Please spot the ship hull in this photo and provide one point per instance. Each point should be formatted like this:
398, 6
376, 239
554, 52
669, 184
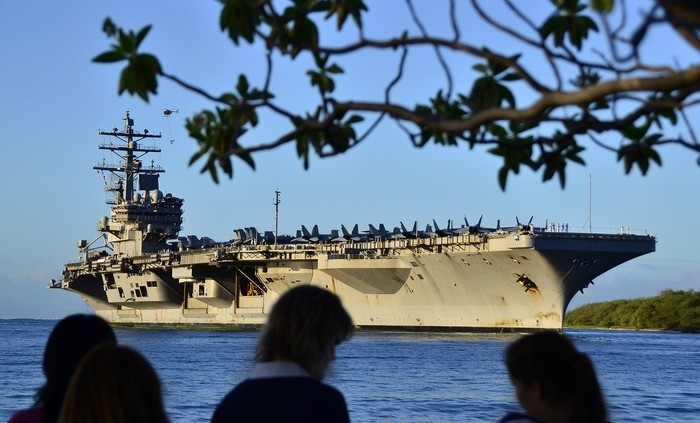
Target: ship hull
510, 281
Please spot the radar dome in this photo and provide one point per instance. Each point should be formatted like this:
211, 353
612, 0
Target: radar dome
156, 196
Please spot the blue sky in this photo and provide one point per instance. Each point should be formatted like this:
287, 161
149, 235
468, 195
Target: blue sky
53, 101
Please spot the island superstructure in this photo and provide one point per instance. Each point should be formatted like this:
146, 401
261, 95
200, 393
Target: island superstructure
469, 278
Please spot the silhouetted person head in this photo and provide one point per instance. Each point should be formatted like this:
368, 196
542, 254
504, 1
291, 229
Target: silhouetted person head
553, 381
304, 326
70, 340
114, 384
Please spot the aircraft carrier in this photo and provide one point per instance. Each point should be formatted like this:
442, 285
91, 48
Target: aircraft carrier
139, 271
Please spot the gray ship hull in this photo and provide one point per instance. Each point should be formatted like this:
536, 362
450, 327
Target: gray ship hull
520, 280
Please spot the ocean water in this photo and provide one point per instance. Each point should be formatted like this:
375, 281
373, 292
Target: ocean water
386, 376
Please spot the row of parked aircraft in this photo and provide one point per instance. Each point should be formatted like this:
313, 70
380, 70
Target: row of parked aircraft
251, 236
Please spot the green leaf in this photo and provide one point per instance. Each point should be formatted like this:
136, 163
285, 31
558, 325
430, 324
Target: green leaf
356, 11
578, 30
305, 32
654, 156
651, 139
512, 76
355, 119
335, 69
497, 68
343, 9
503, 177
141, 35
214, 173
109, 28
634, 133
480, 68
498, 131
109, 57
321, 60
229, 97
562, 175
603, 6
242, 87
554, 26
506, 95
341, 14
225, 165
217, 134
302, 146
126, 42
257, 94
196, 156
247, 158
240, 18
126, 80
576, 158
640, 153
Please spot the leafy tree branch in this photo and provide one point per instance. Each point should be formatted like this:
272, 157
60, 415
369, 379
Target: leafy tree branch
600, 87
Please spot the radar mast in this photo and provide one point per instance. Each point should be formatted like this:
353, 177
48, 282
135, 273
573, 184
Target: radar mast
142, 219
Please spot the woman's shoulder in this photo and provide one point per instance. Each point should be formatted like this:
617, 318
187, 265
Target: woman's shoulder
300, 383
29, 415
291, 388
311, 400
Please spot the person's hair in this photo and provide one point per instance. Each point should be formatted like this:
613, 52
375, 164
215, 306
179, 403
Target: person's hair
70, 340
566, 377
114, 384
304, 326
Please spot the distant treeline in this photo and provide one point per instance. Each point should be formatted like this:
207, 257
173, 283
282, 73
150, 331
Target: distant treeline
670, 310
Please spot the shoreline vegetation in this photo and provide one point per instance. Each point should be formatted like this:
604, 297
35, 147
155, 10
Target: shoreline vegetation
670, 310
